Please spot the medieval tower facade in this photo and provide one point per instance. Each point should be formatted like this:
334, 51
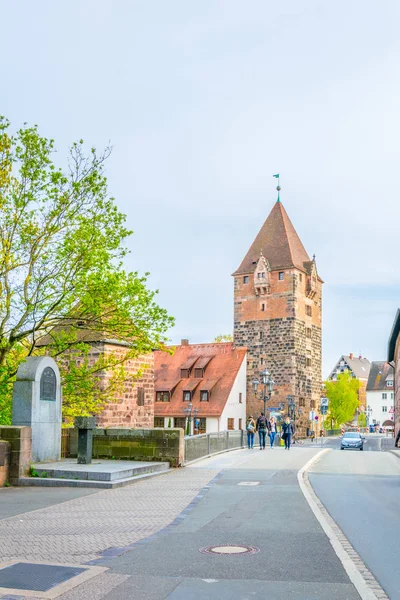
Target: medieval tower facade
278, 316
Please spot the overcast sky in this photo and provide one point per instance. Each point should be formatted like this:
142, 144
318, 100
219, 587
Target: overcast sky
203, 100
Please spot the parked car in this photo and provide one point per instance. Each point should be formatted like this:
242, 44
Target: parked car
352, 440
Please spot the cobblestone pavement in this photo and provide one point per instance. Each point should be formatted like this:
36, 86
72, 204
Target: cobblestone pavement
80, 530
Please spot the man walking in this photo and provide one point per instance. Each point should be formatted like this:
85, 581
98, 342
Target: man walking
261, 427
287, 432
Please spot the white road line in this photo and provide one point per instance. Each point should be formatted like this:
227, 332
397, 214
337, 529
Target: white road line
362, 579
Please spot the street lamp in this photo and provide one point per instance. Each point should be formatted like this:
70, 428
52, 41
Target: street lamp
268, 386
369, 413
188, 410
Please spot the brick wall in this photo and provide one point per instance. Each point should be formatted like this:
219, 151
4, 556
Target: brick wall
281, 337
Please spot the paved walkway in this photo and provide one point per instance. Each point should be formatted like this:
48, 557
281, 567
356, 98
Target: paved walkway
150, 559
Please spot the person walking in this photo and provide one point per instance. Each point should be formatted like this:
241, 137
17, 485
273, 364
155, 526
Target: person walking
272, 431
287, 432
261, 427
250, 428
396, 443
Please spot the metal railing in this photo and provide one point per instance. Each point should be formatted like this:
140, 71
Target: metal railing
199, 446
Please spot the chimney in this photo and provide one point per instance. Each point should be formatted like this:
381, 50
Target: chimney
184, 342
351, 355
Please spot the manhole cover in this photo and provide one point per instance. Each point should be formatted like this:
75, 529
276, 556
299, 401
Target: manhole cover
40, 578
229, 549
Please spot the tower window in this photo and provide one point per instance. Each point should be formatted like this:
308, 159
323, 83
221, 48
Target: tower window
140, 396
261, 335
308, 362
301, 277
308, 332
263, 306
308, 310
246, 279
281, 275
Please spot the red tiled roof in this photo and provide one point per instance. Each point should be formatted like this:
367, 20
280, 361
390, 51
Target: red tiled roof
279, 243
188, 385
202, 362
220, 374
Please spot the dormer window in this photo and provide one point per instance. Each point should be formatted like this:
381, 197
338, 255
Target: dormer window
162, 396
199, 373
389, 382
187, 396
184, 373
281, 276
204, 396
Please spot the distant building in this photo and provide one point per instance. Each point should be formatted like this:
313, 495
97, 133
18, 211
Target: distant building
359, 368
380, 394
394, 360
278, 315
209, 377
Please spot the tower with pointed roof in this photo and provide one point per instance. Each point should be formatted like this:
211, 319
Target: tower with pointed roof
278, 315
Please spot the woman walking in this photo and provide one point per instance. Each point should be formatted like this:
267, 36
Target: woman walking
250, 428
287, 432
272, 431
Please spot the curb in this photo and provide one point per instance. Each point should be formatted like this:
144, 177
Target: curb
360, 576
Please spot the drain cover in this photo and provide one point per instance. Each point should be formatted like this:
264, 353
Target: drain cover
230, 549
40, 578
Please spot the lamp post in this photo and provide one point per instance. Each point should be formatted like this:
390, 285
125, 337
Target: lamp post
188, 410
369, 413
268, 386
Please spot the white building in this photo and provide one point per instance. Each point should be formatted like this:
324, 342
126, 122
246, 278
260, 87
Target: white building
203, 382
380, 394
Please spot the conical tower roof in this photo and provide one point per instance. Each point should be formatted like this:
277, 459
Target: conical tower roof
279, 243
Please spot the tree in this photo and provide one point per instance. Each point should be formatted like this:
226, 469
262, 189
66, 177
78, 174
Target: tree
362, 420
224, 337
62, 246
343, 399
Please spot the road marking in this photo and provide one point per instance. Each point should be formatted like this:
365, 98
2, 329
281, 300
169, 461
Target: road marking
249, 483
362, 579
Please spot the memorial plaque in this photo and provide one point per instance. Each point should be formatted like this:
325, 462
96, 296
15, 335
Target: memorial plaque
48, 385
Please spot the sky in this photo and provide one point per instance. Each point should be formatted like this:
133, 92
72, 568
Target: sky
202, 102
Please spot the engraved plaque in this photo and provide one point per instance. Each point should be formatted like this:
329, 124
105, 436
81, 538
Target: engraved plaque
48, 385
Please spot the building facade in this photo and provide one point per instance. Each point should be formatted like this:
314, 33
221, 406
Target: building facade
394, 361
380, 394
278, 316
209, 380
359, 368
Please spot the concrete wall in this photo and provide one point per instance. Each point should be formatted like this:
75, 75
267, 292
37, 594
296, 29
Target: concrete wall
233, 408
136, 444
20, 440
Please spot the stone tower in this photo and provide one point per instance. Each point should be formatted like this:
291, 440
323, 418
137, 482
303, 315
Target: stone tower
278, 315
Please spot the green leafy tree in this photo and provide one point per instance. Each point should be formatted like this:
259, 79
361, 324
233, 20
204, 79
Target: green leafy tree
362, 420
343, 399
169, 423
62, 246
224, 337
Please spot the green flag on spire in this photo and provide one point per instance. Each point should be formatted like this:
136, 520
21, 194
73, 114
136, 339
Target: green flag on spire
277, 176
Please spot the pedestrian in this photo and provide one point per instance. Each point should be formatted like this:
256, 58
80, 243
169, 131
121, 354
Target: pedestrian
250, 428
287, 432
272, 431
261, 427
396, 443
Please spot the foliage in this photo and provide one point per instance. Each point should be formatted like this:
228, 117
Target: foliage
224, 337
187, 427
362, 420
62, 282
169, 422
343, 399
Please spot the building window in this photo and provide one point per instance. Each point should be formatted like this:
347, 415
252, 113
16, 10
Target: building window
187, 396
204, 396
281, 275
389, 383
312, 404
158, 421
384, 408
162, 396
261, 334
391, 396
261, 275
261, 361
308, 310
231, 424
384, 396
263, 306
302, 402
246, 279
140, 396
184, 373
300, 277
240, 398
180, 422
240, 424
198, 373
308, 362
308, 332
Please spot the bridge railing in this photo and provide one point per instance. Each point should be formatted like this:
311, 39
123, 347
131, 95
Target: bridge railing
206, 444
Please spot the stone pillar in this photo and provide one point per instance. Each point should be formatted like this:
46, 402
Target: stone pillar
37, 404
85, 426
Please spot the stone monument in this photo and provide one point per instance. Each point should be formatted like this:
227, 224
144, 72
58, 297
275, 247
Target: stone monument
37, 404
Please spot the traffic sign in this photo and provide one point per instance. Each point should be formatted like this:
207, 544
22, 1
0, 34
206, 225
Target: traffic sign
324, 401
316, 417
391, 410
312, 415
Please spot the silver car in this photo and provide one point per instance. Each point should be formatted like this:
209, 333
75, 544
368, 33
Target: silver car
352, 440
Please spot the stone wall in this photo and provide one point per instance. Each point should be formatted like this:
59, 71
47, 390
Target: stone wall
20, 440
136, 444
4, 462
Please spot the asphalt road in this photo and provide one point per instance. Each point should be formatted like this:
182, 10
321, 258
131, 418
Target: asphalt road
295, 559
361, 491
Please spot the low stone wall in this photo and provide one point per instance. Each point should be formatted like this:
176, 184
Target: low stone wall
20, 451
4, 462
135, 444
198, 446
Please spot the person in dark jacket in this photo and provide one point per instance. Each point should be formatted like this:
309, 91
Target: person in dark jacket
261, 427
287, 432
396, 443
